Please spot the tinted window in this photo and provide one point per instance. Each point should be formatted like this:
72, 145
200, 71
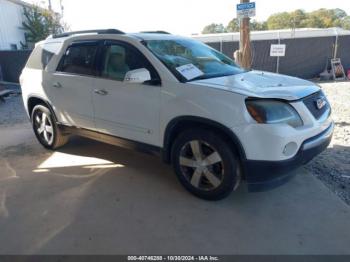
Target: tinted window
42, 55
120, 58
79, 59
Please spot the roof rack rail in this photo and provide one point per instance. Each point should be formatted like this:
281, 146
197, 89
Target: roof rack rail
99, 31
156, 32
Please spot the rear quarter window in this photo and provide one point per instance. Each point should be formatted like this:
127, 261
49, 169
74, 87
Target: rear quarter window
42, 55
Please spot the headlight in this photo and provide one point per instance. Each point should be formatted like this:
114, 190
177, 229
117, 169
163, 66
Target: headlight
267, 111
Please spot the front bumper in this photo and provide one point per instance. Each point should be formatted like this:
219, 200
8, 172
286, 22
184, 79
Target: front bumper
265, 175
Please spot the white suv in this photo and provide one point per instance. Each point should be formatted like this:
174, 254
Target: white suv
213, 121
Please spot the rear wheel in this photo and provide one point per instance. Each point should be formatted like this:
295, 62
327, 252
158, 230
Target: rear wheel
205, 165
46, 129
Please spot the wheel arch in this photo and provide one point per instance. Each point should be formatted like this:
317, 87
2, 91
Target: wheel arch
179, 124
36, 100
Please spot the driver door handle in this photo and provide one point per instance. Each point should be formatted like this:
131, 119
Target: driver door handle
101, 92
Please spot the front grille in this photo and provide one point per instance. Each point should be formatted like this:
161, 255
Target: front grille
311, 103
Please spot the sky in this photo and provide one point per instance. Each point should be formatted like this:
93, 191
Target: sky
183, 17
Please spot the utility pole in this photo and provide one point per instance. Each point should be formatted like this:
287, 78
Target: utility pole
245, 53
50, 6
62, 8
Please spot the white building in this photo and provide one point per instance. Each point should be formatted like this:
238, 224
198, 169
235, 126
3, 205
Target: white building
11, 17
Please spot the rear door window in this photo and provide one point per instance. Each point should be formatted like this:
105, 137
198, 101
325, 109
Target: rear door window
79, 59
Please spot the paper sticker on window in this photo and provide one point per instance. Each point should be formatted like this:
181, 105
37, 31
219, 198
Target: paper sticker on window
189, 71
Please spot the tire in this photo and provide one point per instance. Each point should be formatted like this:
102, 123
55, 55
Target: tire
205, 165
48, 134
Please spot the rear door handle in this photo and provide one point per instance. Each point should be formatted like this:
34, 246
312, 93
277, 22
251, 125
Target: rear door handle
57, 85
101, 92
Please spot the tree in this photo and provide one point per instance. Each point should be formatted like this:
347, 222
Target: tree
233, 25
345, 23
279, 21
214, 29
322, 18
297, 18
39, 23
258, 26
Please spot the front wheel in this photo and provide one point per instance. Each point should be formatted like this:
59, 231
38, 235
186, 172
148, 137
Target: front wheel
205, 164
46, 129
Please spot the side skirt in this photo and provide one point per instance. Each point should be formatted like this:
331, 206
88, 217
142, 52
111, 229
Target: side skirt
112, 140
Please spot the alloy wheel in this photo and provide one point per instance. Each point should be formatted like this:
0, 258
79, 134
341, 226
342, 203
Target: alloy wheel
43, 126
202, 165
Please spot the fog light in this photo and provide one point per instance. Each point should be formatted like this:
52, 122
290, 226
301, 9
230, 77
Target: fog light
290, 149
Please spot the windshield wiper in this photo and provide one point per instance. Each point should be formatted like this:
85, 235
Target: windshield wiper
198, 78
209, 76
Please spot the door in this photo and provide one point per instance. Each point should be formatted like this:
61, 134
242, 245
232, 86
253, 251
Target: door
123, 109
70, 88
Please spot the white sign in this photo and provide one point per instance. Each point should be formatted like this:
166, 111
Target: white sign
278, 50
246, 10
189, 71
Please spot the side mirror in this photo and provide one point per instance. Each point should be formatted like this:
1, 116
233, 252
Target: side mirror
137, 76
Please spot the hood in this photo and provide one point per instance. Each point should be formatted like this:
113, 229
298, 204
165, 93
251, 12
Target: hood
263, 85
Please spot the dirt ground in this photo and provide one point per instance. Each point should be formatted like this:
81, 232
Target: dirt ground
333, 166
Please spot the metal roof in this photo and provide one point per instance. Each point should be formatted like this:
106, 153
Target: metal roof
274, 34
20, 2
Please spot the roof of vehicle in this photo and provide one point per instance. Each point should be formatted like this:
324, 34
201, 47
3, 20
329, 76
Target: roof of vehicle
149, 35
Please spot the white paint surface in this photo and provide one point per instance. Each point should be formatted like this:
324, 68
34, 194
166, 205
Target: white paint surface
11, 17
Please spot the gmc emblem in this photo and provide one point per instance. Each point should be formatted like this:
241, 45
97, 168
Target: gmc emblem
320, 103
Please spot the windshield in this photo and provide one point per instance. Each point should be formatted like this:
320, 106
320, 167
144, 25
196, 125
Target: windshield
191, 60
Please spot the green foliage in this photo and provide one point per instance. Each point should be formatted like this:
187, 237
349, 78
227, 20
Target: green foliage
214, 29
345, 23
258, 26
39, 23
233, 25
279, 21
322, 18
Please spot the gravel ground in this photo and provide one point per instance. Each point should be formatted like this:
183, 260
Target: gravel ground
12, 111
332, 166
